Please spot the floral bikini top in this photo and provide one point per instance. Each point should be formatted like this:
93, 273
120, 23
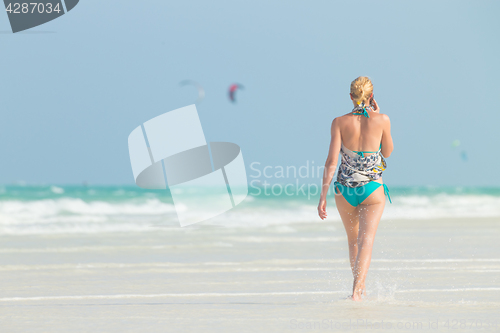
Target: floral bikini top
357, 169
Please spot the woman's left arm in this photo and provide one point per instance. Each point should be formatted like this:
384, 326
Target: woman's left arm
330, 166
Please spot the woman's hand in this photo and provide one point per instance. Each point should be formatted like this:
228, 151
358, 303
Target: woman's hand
322, 209
375, 106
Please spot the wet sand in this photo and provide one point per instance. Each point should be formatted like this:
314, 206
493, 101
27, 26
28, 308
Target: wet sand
425, 275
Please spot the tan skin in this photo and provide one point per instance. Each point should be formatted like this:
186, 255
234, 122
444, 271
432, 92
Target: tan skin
358, 133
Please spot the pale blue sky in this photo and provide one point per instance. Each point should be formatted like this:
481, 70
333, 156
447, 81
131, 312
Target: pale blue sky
70, 97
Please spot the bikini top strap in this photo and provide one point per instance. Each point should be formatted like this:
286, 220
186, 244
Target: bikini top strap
364, 113
357, 110
362, 153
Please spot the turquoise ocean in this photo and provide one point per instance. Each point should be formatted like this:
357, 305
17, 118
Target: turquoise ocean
52, 209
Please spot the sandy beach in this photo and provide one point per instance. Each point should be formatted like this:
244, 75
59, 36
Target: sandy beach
428, 274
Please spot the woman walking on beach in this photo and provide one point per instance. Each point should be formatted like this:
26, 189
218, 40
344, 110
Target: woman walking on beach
363, 138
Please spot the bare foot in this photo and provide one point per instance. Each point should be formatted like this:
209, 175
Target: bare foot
358, 293
356, 296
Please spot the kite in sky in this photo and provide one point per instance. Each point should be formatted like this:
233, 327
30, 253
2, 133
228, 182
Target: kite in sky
232, 91
463, 153
201, 91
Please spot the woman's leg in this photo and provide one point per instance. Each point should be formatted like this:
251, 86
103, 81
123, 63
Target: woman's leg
350, 219
369, 214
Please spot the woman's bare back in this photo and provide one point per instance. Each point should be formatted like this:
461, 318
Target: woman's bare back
360, 133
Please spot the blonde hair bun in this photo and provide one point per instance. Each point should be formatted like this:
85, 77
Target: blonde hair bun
361, 89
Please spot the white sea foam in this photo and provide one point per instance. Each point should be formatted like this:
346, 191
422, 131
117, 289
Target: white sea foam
443, 206
49, 208
233, 294
57, 190
75, 215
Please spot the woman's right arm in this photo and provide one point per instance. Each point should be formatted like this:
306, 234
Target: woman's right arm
330, 166
387, 144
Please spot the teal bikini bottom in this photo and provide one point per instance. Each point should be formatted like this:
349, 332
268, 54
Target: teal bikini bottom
356, 195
